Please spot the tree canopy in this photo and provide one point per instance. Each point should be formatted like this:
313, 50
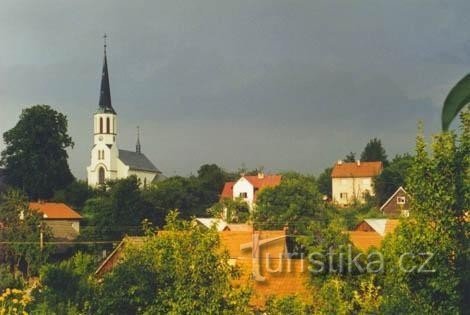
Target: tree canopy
374, 151
35, 156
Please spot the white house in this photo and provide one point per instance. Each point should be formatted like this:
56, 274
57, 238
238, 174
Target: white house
247, 187
352, 181
108, 162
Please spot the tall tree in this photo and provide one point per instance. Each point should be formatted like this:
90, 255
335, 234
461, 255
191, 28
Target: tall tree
35, 156
324, 182
433, 277
374, 151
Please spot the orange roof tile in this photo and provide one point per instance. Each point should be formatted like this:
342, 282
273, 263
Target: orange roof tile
352, 169
264, 181
365, 240
227, 192
52, 210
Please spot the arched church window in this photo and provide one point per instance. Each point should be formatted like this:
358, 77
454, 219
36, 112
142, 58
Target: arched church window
101, 124
114, 125
108, 126
101, 176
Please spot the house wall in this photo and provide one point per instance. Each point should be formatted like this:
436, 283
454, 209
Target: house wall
145, 178
354, 187
393, 209
64, 229
244, 186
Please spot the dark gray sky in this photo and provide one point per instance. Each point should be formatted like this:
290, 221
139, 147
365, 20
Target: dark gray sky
288, 85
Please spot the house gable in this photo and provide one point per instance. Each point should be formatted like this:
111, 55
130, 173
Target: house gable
397, 205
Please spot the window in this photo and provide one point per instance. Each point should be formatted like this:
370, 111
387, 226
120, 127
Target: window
243, 195
102, 155
405, 213
101, 124
108, 126
401, 200
343, 195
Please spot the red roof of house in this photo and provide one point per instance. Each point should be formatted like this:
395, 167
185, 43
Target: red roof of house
52, 210
257, 181
227, 192
355, 169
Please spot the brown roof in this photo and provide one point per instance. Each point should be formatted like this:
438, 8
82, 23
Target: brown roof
354, 169
52, 210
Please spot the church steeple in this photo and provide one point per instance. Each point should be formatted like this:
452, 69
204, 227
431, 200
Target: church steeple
105, 92
137, 146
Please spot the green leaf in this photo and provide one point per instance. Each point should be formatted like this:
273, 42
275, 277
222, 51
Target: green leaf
458, 97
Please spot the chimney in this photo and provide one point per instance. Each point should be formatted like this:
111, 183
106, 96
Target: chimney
358, 162
340, 162
260, 175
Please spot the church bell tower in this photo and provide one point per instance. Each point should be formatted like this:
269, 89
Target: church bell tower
104, 153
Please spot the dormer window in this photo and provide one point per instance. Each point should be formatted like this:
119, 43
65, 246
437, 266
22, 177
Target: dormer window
243, 195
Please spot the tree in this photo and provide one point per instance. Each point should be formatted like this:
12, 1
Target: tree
351, 157
231, 210
293, 203
35, 156
179, 271
21, 228
324, 182
392, 177
434, 277
374, 151
117, 211
75, 194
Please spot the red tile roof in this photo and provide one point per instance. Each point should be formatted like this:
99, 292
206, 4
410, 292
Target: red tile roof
352, 169
264, 181
227, 192
52, 210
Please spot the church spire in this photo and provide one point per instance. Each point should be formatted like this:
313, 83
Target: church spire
137, 146
105, 92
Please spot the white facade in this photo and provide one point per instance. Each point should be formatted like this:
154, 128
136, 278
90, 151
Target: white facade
347, 190
244, 189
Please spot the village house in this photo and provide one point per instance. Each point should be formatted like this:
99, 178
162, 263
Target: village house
63, 221
397, 205
353, 181
248, 186
261, 257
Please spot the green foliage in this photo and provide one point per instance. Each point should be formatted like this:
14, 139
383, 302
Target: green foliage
74, 195
293, 203
35, 156
324, 182
351, 157
21, 229
179, 271
439, 185
287, 305
455, 101
392, 177
334, 297
67, 285
117, 211
231, 210
8, 279
374, 151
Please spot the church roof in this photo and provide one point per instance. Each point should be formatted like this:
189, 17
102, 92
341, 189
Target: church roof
105, 105
137, 161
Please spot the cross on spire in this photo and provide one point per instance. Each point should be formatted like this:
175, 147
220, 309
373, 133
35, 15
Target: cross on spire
105, 42
105, 93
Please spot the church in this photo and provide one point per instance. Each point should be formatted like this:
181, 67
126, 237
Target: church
108, 162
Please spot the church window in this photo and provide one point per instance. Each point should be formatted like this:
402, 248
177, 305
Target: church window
101, 176
101, 124
108, 126
114, 125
